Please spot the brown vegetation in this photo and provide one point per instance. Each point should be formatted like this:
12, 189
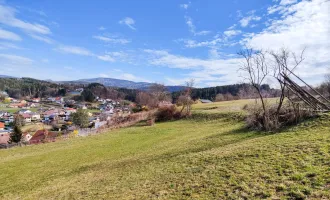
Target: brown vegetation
259, 65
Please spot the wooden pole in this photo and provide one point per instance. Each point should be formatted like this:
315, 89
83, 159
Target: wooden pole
305, 93
308, 85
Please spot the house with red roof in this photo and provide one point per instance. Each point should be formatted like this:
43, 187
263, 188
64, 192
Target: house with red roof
2, 126
42, 136
27, 117
36, 100
4, 138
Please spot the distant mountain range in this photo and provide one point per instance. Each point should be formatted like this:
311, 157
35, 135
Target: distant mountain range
112, 82
5, 76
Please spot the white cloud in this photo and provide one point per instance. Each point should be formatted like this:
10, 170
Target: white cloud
184, 6
6, 45
305, 24
14, 59
192, 27
221, 39
128, 22
74, 50
203, 33
203, 70
287, 2
117, 56
231, 33
101, 28
42, 38
7, 35
107, 58
190, 24
7, 17
103, 76
245, 21
209, 43
131, 77
45, 60
112, 40
124, 76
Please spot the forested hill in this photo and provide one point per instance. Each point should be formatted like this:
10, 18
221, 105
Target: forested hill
211, 92
21, 87
18, 87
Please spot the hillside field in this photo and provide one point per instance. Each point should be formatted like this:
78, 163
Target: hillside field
210, 156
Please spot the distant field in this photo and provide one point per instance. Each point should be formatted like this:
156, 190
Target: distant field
211, 157
13, 110
93, 110
227, 106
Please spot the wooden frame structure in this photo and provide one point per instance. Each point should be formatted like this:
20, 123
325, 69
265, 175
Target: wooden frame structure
320, 104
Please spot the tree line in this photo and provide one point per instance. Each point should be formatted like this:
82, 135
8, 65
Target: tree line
227, 92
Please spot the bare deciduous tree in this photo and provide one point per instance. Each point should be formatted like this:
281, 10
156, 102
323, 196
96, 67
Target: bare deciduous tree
247, 92
285, 62
160, 92
185, 99
256, 70
219, 97
327, 77
146, 99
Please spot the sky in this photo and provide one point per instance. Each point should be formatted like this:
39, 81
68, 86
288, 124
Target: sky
163, 41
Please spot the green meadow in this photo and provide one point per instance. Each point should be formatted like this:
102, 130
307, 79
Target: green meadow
209, 156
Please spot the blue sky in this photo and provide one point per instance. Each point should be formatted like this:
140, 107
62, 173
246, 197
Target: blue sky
165, 41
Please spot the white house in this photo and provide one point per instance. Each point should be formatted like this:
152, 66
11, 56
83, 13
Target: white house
24, 111
26, 137
27, 118
11, 119
36, 100
35, 116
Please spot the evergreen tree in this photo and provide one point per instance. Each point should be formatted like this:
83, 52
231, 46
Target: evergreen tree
80, 118
16, 135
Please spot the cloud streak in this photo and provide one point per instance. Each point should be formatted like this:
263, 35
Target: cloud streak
74, 50
7, 35
14, 59
128, 22
111, 40
192, 27
7, 17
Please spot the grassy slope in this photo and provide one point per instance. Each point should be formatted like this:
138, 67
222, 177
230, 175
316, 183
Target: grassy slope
197, 158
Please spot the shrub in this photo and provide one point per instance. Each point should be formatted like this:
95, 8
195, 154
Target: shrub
167, 113
137, 109
246, 107
270, 121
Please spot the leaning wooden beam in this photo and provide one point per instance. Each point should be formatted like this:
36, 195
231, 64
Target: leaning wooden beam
303, 99
303, 91
304, 95
308, 85
300, 95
